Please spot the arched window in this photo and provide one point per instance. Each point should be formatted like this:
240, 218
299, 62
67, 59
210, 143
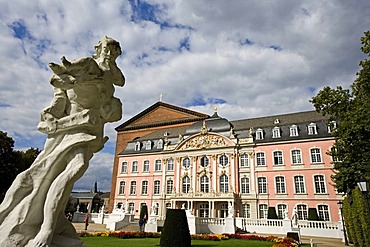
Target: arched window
204, 184
204, 210
299, 186
244, 160
169, 186
224, 183
170, 165
323, 212
157, 187
144, 187
245, 186
319, 181
148, 145
185, 184
278, 157
122, 187
280, 185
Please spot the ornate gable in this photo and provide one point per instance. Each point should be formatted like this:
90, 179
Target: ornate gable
204, 141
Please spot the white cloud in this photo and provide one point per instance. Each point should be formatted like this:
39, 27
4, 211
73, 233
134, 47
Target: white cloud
227, 58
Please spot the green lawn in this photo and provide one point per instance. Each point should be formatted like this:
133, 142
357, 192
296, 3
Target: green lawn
148, 242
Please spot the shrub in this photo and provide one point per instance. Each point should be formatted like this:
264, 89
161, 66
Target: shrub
175, 230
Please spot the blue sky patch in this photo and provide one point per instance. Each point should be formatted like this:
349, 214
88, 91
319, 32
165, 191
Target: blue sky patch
246, 42
20, 30
185, 44
276, 47
142, 10
311, 89
200, 101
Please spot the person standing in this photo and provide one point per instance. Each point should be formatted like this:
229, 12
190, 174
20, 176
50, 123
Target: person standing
86, 220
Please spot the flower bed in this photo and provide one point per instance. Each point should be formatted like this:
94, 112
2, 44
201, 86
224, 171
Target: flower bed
279, 242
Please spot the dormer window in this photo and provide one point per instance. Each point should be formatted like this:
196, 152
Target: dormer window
160, 143
332, 126
148, 145
294, 130
312, 129
276, 132
259, 134
137, 146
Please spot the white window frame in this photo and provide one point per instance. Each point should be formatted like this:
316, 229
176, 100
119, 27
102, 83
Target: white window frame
312, 129
224, 183
133, 185
278, 158
244, 160
263, 210
144, 187
223, 160
170, 164
148, 145
262, 185
296, 156
160, 144
169, 186
186, 162
319, 184
158, 165
122, 187
323, 212
124, 166
259, 134
204, 161
293, 130
204, 184
316, 157
281, 210
135, 166
276, 132
302, 211
299, 184
137, 146
244, 184
260, 161
156, 187
185, 184
280, 186
146, 166
246, 210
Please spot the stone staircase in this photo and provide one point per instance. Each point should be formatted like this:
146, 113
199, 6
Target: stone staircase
132, 227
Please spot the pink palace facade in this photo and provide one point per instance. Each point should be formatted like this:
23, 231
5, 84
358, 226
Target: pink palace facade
277, 162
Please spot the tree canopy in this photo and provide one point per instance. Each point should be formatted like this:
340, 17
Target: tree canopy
350, 108
12, 162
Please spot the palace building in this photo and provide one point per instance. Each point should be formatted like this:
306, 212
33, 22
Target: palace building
171, 157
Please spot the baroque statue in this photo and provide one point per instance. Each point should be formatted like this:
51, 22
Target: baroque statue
32, 213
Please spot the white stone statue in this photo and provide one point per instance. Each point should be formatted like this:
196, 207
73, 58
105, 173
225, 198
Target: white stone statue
295, 217
32, 213
183, 206
230, 212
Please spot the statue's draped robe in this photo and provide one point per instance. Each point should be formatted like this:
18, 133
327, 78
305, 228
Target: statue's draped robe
21, 213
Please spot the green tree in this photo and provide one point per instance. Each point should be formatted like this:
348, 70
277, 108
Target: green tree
350, 108
12, 162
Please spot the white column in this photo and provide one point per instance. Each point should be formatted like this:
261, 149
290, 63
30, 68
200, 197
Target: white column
252, 173
232, 182
178, 182
214, 173
194, 173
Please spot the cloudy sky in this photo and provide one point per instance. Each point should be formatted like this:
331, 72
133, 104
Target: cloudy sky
248, 58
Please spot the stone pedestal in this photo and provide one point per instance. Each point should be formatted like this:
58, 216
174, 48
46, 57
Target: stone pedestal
152, 224
230, 225
191, 222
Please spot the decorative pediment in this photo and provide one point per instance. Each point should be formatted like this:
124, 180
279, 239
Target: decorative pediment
203, 141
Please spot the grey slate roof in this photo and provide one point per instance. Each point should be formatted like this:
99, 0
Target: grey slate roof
241, 129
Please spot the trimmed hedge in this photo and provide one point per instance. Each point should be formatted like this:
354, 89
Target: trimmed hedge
357, 218
175, 230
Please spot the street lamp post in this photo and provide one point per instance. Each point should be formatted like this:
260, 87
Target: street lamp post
363, 185
340, 205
